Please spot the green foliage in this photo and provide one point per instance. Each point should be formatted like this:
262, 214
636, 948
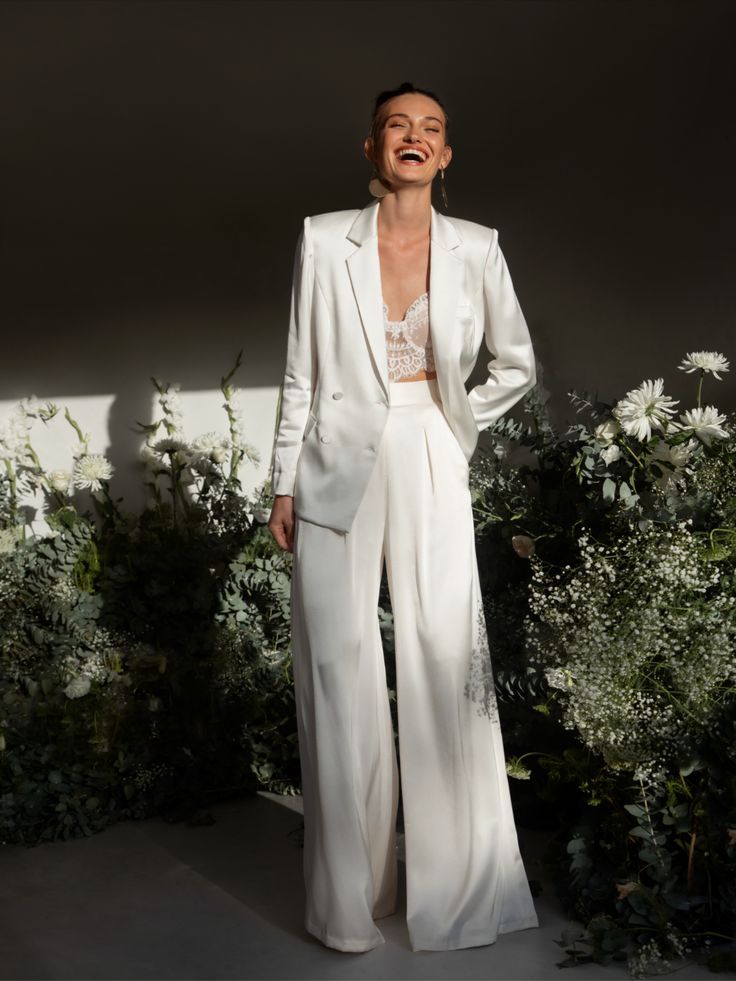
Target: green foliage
144, 658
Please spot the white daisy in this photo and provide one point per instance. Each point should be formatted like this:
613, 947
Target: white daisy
705, 423
710, 361
644, 408
90, 470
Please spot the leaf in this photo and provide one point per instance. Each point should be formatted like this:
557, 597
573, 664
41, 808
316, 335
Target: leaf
635, 809
609, 489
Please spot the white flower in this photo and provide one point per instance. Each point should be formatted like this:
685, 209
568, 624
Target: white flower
77, 687
150, 457
262, 515
90, 470
169, 444
610, 453
606, 431
705, 423
710, 361
60, 480
186, 456
213, 446
677, 456
644, 408
515, 769
8, 540
676, 459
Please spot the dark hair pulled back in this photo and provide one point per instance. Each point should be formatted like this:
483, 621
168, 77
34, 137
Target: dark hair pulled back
391, 93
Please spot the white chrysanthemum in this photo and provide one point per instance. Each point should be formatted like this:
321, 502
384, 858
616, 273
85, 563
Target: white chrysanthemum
606, 431
705, 423
213, 446
710, 361
610, 453
644, 408
90, 470
675, 458
78, 687
169, 444
60, 480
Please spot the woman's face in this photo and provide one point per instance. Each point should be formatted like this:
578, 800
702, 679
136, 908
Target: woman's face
408, 121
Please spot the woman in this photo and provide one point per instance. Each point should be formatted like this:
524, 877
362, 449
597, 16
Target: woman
389, 307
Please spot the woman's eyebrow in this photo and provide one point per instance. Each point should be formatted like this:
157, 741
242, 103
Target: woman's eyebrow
406, 116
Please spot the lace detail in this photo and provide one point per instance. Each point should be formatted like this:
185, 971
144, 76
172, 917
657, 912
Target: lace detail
408, 344
481, 686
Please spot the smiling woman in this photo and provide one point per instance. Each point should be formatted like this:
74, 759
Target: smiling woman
371, 467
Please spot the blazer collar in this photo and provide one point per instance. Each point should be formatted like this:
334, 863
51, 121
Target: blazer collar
442, 231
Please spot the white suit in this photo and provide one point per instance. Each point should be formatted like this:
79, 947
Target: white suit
379, 471
335, 393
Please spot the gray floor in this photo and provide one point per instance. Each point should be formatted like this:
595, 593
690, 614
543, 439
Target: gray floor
151, 899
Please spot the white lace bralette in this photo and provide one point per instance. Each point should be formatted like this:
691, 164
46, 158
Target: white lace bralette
408, 342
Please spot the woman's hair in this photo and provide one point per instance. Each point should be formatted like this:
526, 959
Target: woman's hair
391, 93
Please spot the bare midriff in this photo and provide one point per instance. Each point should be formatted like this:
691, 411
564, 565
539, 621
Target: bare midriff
420, 376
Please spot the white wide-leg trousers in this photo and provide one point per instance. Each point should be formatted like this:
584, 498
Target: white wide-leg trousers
465, 881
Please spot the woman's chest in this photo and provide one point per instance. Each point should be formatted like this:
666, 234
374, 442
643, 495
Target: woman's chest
404, 274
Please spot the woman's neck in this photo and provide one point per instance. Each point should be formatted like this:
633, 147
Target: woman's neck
405, 215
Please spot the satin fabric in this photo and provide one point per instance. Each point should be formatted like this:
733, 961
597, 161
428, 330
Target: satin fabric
465, 881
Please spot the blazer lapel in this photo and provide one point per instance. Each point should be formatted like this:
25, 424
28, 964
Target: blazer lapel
365, 275
445, 279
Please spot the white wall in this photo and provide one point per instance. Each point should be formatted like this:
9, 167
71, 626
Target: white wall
203, 412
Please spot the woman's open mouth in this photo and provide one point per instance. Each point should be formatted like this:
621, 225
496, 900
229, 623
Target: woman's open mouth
411, 157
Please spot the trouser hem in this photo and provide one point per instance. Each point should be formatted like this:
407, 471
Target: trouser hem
474, 939
340, 943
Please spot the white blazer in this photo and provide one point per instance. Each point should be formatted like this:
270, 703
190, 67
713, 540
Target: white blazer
335, 393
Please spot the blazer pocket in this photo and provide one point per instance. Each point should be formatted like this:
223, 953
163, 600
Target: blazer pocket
311, 423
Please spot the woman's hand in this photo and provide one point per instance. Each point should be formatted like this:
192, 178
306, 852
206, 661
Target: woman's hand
281, 521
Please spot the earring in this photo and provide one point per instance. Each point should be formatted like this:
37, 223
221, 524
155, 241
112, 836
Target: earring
442, 187
376, 186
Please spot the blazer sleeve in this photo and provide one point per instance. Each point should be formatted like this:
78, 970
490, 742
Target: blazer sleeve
296, 389
511, 372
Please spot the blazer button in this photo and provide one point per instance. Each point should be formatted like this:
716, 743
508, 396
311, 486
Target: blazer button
324, 439
337, 395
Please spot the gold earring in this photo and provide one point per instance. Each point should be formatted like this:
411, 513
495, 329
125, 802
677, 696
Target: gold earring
442, 187
376, 186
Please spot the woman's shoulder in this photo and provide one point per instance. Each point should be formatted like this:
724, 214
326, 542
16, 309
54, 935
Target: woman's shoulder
329, 221
473, 231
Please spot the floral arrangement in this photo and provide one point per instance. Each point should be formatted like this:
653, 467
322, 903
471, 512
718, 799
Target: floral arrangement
145, 662
144, 658
621, 626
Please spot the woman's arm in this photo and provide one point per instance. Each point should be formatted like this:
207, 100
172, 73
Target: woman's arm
296, 393
511, 372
